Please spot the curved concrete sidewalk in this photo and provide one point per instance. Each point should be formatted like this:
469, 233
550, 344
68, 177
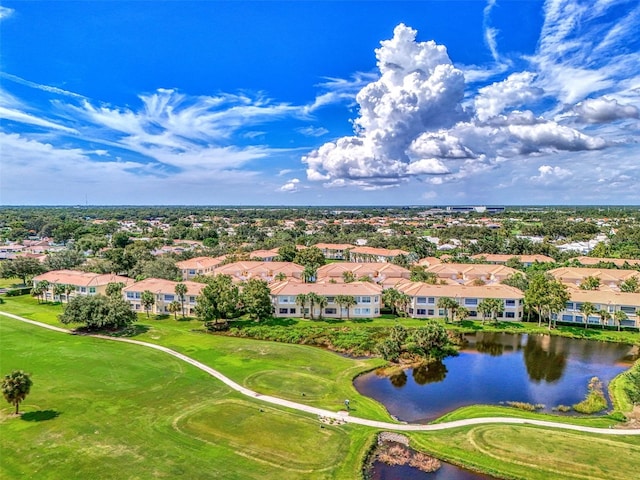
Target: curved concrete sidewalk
327, 413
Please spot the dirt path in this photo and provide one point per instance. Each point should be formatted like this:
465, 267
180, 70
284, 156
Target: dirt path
342, 415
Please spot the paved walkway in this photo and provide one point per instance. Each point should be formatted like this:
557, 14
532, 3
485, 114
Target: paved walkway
327, 413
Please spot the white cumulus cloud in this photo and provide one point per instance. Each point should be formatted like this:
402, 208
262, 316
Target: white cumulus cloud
291, 186
603, 110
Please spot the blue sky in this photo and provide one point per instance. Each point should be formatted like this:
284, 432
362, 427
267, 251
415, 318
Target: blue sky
320, 103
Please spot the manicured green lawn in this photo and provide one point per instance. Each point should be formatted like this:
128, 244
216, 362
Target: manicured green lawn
10, 282
107, 410
532, 453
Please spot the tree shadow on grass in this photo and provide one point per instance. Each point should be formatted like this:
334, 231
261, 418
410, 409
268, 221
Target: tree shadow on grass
40, 415
361, 320
130, 331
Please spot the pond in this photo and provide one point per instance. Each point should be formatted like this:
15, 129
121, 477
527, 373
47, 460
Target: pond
447, 471
495, 368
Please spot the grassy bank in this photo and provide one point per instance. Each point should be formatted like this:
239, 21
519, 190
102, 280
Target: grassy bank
107, 410
622, 387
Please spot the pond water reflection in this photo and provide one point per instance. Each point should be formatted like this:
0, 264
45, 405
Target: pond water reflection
498, 367
447, 471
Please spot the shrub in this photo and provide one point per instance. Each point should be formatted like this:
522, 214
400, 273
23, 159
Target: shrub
16, 292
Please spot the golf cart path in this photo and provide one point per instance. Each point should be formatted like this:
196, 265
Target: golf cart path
341, 415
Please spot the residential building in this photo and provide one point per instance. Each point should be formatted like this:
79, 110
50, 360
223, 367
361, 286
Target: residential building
610, 278
499, 259
386, 274
264, 255
84, 283
199, 266
267, 271
618, 262
335, 251
608, 301
424, 299
368, 298
164, 292
371, 254
466, 273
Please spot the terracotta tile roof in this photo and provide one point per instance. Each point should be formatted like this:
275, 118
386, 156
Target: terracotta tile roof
81, 279
470, 270
382, 252
495, 257
326, 289
606, 275
461, 291
373, 270
264, 253
616, 261
199, 263
604, 297
428, 261
256, 269
334, 246
161, 286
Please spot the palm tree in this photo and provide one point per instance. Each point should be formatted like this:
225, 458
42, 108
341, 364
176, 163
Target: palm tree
402, 303
44, 286
349, 301
15, 387
68, 290
348, 277
37, 290
619, 317
484, 309
390, 298
309, 274
58, 291
181, 292
313, 299
604, 316
341, 300
496, 307
280, 277
322, 303
587, 309
175, 307
461, 313
449, 305
147, 299
302, 299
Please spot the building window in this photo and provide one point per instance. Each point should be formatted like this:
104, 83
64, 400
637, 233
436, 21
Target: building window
92, 289
292, 310
331, 299
510, 314
131, 295
283, 311
421, 311
365, 299
192, 299
628, 310
330, 311
567, 318
471, 301
421, 300
431, 300
169, 298
192, 272
430, 312
509, 303
83, 289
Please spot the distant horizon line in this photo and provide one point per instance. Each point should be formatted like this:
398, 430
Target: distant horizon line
412, 206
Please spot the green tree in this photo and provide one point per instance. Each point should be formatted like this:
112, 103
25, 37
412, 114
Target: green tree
219, 300
309, 274
402, 303
604, 317
174, 307
58, 291
313, 299
68, 290
630, 285
287, 253
461, 313
256, 299
619, 316
310, 257
22, 267
98, 312
590, 283
587, 309
431, 340
322, 303
114, 289
449, 305
517, 280
15, 387
64, 260
484, 308
40, 290
556, 299
536, 293
420, 274
348, 277
302, 300
147, 299
280, 277
181, 291
390, 299
161, 267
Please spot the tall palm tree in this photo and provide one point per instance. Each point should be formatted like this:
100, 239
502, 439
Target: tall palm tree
322, 303
461, 313
341, 301
619, 317
44, 285
313, 299
349, 301
496, 307
604, 317
174, 307
484, 308
147, 299
68, 290
587, 309
302, 299
181, 292
448, 304
402, 303
390, 298
58, 291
